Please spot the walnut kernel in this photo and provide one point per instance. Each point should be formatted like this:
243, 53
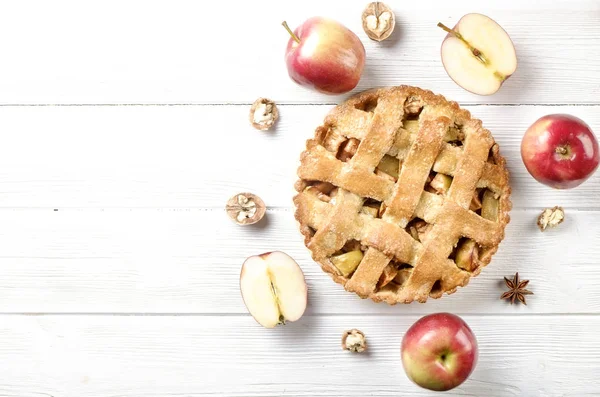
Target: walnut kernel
354, 341
263, 114
551, 217
378, 21
245, 208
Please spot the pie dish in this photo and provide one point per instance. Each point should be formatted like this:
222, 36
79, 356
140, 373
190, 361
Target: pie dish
402, 195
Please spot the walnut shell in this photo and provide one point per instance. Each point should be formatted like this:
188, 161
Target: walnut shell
245, 208
263, 114
354, 340
378, 21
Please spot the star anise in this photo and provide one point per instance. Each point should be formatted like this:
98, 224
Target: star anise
517, 290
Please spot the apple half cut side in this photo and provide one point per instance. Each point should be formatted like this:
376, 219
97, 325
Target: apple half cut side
273, 288
478, 54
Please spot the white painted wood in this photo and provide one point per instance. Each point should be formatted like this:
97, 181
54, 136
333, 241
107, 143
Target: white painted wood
188, 51
90, 356
199, 156
139, 228
189, 261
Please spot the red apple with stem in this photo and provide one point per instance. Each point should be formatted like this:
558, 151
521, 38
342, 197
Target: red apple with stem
324, 55
439, 351
560, 150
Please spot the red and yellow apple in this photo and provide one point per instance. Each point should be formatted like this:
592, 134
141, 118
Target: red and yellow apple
273, 288
560, 150
478, 54
324, 55
439, 351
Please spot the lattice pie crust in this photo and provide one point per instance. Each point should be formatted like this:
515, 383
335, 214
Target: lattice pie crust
402, 195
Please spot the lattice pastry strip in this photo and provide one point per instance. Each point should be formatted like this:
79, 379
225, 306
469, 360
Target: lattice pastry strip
415, 170
362, 202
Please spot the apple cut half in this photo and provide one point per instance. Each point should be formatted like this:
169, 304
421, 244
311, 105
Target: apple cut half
478, 54
273, 288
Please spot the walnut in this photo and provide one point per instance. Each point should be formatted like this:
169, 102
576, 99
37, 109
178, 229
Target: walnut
245, 208
378, 21
551, 217
263, 114
354, 341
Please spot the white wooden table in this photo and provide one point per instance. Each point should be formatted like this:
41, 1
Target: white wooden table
124, 131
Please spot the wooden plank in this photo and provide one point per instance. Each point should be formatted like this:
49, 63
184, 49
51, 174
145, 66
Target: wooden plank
132, 356
183, 51
189, 261
197, 157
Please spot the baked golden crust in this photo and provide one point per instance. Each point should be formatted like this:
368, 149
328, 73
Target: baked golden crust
411, 181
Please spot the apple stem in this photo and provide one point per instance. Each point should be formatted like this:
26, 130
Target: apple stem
562, 150
474, 50
447, 29
285, 25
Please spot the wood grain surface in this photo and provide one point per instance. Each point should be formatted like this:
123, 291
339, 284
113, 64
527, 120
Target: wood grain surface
125, 130
188, 51
168, 356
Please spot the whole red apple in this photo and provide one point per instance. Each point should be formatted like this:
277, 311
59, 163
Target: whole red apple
439, 351
324, 55
560, 151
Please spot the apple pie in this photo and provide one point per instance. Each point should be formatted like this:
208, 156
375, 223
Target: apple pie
402, 195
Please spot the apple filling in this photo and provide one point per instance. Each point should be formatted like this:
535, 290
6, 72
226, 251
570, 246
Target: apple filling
413, 106
475, 205
324, 191
455, 135
438, 183
348, 259
466, 254
394, 275
469, 255
372, 207
347, 149
412, 126
490, 206
382, 209
418, 229
485, 203
388, 167
348, 262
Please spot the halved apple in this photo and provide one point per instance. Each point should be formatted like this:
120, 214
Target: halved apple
273, 288
478, 54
